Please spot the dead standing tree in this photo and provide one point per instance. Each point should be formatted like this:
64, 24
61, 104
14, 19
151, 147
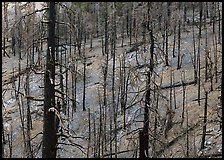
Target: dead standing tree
199, 45
49, 127
144, 135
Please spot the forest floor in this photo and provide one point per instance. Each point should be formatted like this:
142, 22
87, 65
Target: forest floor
172, 146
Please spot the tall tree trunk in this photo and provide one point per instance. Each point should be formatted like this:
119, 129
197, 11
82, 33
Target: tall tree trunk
145, 135
28, 114
174, 39
171, 83
204, 122
3, 139
6, 26
123, 89
166, 33
219, 32
194, 49
49, 148
183, 102
166, 46
113, 51
213, 17
29, 120
22, 117
67, 75
154, 155
105, 70
122, 32
94, 137
187, 134
84, 78
130, 22
198, 56
179, 38
215, 43
89, 137
174, 93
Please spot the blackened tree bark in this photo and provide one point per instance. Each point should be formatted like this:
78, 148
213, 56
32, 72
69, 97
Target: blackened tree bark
145, 135
179, 38
123, 89
122, 31
185, 14
105, 68
166, 32
127, 21
79, 38
130, 22
84, 80
174, 93
113, 52
215, 57
222, 95
142, 144
187, 134
213, 16
205, 121
49, 127
5, 26
100, 126
219, 32
171, 83
194, 48
73, 86
199, 46
29, 120
89, 137
174, 39
206, 54
184, 94
3, 139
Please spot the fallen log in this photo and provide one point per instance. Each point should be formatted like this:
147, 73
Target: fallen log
178, 85
176, 139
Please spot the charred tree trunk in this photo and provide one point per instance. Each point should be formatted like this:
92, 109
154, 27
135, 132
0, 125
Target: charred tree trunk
130, 23
215, 57
204, 122
89, 138
122, 32
166, 33
123, 88
194, 49
113, 51
94, 137
179, 38
174, 39
198, 56
29, 120
184, 92
145, 135
6, 27
142, 144
174, 93
84, 80
206, 54
187, 134
49, 148
105, 71
219, 32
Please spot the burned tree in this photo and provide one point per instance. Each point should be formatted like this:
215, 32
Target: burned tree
49, 127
